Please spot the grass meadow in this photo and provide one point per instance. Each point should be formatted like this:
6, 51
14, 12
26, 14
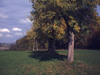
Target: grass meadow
87, 62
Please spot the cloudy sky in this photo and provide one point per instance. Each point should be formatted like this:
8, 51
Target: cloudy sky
13, 19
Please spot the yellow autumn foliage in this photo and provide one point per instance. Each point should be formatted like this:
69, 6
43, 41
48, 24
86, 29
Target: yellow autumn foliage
31, 34
60, 29
73, 23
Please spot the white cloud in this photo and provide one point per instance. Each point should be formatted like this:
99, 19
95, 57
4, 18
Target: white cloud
4, 30
17, 34
1, 35
25, 21
3, 15
16, 29
9, 36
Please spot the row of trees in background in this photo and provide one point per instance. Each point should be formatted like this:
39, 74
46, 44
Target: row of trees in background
86, 41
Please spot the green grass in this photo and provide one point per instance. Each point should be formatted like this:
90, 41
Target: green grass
87, 62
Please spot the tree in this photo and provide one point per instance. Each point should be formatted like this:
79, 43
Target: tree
98, 2
22, 44
57, 18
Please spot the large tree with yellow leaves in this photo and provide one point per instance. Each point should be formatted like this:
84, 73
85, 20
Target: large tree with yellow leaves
54, 19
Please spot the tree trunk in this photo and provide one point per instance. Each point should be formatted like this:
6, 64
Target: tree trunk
71, 47
35, 45
51, 45
43, 46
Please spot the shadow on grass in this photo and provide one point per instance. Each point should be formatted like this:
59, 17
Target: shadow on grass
46, 55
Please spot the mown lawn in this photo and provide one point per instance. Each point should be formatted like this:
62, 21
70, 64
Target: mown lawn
87, 62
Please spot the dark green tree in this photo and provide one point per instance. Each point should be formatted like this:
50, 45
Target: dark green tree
54, 19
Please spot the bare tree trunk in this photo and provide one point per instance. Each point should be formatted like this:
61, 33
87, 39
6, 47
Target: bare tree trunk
33, 44
71, 47
51, 45
36, 44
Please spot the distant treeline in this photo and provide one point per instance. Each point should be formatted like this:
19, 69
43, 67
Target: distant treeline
5, 45
90, 41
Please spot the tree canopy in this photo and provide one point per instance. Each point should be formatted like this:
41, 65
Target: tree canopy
57, 19
54, 17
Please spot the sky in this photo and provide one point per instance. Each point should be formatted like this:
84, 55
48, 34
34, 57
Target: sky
13, 19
